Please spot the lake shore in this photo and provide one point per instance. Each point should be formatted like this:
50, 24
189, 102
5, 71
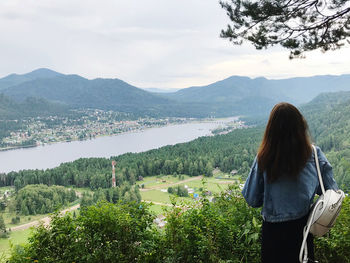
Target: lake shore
208, 120
104, 146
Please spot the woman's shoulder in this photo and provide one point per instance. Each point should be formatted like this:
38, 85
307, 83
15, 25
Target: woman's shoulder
320, 155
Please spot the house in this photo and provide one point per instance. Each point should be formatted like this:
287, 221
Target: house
233, 172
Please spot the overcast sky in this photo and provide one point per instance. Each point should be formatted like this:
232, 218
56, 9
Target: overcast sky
147, 43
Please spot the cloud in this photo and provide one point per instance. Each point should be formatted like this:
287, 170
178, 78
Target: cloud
149, 43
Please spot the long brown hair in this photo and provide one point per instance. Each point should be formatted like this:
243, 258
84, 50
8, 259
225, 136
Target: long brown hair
286, 145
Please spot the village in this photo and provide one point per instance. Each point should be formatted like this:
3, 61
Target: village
89, 124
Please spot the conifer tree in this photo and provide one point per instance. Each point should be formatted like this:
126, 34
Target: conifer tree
296, 25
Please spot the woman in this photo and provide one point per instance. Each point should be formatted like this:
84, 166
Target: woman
283, 180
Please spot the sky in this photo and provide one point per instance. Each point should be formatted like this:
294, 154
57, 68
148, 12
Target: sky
148, 43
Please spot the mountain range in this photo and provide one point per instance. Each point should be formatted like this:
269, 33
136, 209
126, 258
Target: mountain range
235, 95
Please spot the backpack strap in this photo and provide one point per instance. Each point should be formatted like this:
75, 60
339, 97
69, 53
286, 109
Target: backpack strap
318, 169
303, 255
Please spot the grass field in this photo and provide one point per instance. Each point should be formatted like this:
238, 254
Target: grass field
159, 196
158, 181
211, 184
158, 209
16, 238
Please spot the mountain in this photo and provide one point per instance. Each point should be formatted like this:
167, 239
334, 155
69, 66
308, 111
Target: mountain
156, 90
15, 79
80, 92
231, 89
235, 95
106, 94
235, 88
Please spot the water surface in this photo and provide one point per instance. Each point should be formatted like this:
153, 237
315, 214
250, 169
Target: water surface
49, 156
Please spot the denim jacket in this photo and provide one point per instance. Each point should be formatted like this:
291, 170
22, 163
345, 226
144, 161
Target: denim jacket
287, 199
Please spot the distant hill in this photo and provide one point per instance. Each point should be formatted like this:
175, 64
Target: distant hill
30, 107
235, 95
235, 88
15, 79
106, 94
232, 89
156, 90
322, 104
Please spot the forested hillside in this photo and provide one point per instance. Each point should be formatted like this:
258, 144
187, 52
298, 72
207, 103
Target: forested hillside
12, 112
29, 107
328, 116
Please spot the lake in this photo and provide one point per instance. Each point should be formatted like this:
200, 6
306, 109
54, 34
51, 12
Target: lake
52, 155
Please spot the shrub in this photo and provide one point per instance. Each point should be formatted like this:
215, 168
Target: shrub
170, 190
224, 231
336, 246
15, 220
101, 233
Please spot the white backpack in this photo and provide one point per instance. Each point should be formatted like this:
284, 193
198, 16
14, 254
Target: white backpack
323, 213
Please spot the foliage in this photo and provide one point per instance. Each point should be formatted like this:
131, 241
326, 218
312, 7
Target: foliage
170, 190
3, 230
42, 199
336, 246
102, 233
296, 25
15, 220
226, 230
124, 193
329, 119
179, 190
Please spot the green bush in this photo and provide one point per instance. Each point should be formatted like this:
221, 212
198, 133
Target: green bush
223, 231
170, 190
15, 220
226, 230
179, 190
101, 233
335, 247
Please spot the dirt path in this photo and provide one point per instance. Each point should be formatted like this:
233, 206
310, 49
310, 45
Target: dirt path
163, 186
45, 220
